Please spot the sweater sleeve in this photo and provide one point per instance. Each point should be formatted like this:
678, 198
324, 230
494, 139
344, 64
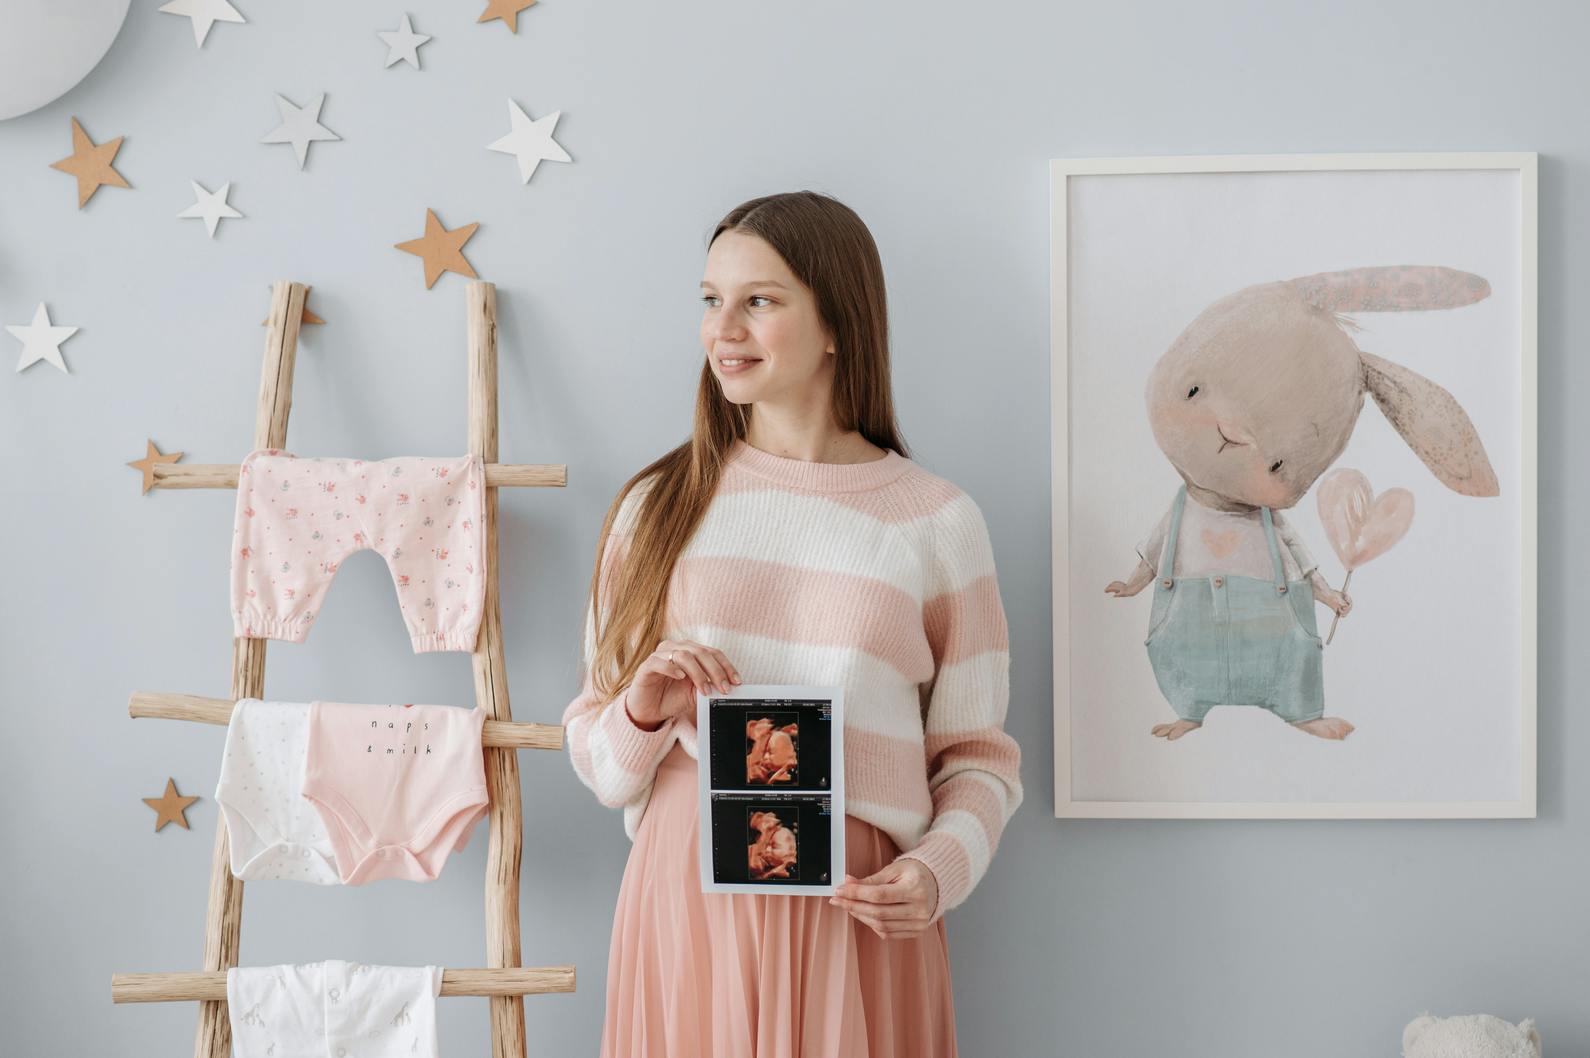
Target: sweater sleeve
612, 755
974, 767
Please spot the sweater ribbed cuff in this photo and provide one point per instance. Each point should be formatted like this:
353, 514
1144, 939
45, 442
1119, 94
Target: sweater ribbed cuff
634, 748
952, 869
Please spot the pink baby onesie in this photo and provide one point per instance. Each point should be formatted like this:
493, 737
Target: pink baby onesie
399, 786
299, 518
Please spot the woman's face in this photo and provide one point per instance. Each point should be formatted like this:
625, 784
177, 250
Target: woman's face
756, 310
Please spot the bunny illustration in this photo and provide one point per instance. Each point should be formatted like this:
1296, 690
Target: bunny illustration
1251, 404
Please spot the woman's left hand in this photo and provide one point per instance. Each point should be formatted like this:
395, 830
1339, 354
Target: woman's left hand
896, 902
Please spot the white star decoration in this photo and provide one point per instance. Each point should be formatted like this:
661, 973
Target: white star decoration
204, 13
210, 206
530, 141
300, 126
403, 43
41, 340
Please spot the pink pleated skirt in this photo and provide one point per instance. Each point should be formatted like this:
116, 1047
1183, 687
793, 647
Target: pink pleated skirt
731, 975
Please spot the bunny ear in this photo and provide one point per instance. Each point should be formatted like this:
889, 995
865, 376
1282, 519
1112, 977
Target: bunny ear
1398, 288
1433, 423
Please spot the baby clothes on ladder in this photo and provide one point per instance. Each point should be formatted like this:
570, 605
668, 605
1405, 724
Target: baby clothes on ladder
272, 831
333, 1009
398, 786
299, 518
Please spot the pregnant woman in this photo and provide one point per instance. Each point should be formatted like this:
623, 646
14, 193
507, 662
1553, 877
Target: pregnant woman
791, 540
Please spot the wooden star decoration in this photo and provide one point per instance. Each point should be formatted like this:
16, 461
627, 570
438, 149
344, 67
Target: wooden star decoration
308, 317
91, 164
442, 250
147, 463
507, 10
170, 806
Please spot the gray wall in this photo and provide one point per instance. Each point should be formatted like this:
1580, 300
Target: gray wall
935, 121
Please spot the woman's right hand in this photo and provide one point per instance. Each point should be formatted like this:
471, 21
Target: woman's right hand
669, 679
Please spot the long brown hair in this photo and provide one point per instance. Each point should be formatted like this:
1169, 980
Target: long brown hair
828, 248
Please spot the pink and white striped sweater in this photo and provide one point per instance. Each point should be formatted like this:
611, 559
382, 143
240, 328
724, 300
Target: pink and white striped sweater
878, 577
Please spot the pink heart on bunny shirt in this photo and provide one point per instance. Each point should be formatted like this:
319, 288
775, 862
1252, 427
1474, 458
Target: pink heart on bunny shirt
1221, 545
1360, 525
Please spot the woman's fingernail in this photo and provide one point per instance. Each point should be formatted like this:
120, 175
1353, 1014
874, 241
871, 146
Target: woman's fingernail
736, 678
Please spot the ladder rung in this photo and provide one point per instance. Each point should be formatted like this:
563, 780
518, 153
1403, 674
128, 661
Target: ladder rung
509, 734
224, 475
211, 984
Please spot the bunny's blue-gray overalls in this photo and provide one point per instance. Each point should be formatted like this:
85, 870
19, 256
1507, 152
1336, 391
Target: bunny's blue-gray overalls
1220, 639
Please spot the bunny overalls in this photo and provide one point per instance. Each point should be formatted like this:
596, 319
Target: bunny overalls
1225, 640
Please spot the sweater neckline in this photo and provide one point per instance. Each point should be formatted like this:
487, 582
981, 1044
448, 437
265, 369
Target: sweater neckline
818, 477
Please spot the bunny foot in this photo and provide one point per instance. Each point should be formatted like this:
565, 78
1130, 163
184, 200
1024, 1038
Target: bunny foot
1176, 730
1326, 727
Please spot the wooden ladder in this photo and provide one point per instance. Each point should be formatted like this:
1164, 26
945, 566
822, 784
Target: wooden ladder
503, 979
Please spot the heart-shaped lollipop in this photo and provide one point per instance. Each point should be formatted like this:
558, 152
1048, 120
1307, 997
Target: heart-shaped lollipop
1360, 525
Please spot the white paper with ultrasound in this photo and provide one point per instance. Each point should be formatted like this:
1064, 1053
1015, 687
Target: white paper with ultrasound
771, 762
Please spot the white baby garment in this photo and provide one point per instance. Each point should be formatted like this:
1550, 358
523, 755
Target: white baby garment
273, 832
333, 1009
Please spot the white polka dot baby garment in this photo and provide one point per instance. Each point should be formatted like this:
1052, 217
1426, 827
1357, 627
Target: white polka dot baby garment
333, 1009
272, 831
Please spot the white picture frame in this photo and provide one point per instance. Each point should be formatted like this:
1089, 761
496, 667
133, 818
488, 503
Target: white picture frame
1093, 778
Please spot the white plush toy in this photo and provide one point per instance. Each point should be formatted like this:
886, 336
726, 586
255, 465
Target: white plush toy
1469, 1036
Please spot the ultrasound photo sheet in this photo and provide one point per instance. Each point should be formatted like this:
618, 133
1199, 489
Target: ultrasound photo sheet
772, 789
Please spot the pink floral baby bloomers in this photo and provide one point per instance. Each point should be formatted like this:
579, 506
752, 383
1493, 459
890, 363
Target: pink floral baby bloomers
298, 518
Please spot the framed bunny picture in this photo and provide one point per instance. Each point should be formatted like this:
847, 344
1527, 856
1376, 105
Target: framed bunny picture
1294, 471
